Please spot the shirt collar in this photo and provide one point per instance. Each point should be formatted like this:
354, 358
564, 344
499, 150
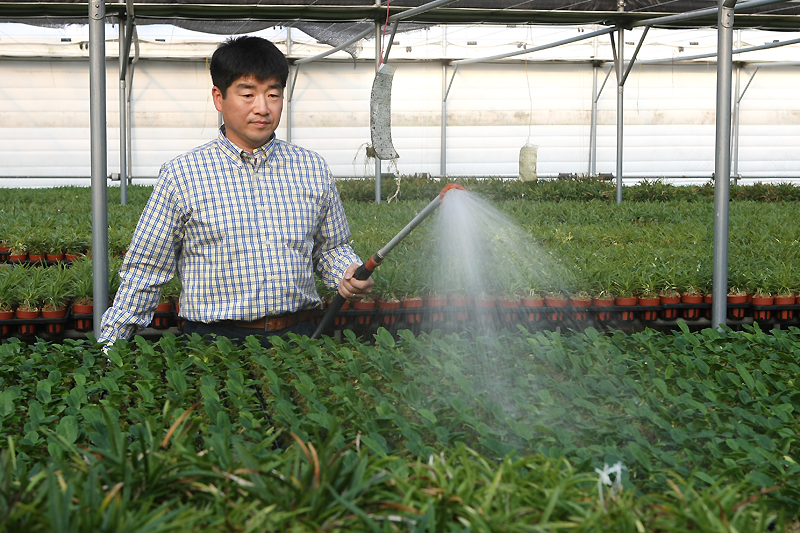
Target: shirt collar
239, 154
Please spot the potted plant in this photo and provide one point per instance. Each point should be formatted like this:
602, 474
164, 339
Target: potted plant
170, 293
556, 300
35, 245
8, 296
410, 297
578, 300
648, 297
625, 284
691, 295
30, 300
736, 296
785, 283
56, 296
83, 294
602, 298
365, 308
385, 296
54, 247
532, 302
74, 245
17, 252
762, 297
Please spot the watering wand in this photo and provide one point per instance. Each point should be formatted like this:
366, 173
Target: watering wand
365, 270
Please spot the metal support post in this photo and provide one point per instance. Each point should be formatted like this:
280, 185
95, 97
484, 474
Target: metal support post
620, 103
736, 104
99, 164
378, 58
593, 125
125, 32
134, 40
722, 162
289, 95
735, 127
443, 142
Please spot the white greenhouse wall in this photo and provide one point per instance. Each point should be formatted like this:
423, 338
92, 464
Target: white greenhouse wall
493, 109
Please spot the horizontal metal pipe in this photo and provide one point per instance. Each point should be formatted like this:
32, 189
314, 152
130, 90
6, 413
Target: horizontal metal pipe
419, 10
536, 48
680, 17
714, 54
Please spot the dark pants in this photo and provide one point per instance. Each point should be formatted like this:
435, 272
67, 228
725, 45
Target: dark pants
239, 334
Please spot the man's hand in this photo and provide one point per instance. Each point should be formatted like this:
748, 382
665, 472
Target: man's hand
353, 289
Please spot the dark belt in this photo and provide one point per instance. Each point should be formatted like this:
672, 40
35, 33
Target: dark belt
275, 323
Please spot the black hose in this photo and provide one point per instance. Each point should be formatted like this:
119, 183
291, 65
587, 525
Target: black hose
361, 273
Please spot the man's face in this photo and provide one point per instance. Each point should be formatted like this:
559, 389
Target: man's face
251, 110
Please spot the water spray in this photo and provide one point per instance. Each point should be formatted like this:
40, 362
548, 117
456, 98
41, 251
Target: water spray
365, 270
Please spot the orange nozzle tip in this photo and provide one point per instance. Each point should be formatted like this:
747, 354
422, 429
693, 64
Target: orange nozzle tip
448, 187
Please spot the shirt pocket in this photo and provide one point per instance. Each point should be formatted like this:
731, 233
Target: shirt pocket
295, 215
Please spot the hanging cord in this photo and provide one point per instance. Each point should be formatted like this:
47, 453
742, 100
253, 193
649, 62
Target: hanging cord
383, 37
393, 163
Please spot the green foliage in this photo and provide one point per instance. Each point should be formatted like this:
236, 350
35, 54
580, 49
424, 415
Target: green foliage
441, 432
556, 190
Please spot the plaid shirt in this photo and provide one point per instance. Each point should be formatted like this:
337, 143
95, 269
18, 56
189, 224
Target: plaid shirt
244, 232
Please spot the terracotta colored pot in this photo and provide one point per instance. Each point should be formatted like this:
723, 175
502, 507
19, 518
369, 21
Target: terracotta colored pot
83, 324
555, 302
530, 304
602, 302
485, 310
412, 303
162, 322
507, 313
463, 303
669, 313
762, 300
55, 257
37, 257
435, 302
626, 301
577, 303
737, 299
5, 315
58, 313
388, 318
340, 320
785, 314
71, 257
691, 313
178, 318
708, 299
27, 329
18, 257
649, 302
366, 308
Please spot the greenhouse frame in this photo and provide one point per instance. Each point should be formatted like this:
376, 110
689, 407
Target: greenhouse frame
342, 25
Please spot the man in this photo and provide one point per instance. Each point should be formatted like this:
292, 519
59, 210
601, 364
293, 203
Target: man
244, 220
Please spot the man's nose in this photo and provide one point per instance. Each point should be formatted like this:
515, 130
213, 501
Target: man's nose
260, 106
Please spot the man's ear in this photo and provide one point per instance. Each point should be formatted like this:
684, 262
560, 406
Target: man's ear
216, 95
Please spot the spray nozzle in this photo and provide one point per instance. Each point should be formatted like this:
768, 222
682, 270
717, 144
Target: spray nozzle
448, 187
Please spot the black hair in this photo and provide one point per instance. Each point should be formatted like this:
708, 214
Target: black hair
247, 56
